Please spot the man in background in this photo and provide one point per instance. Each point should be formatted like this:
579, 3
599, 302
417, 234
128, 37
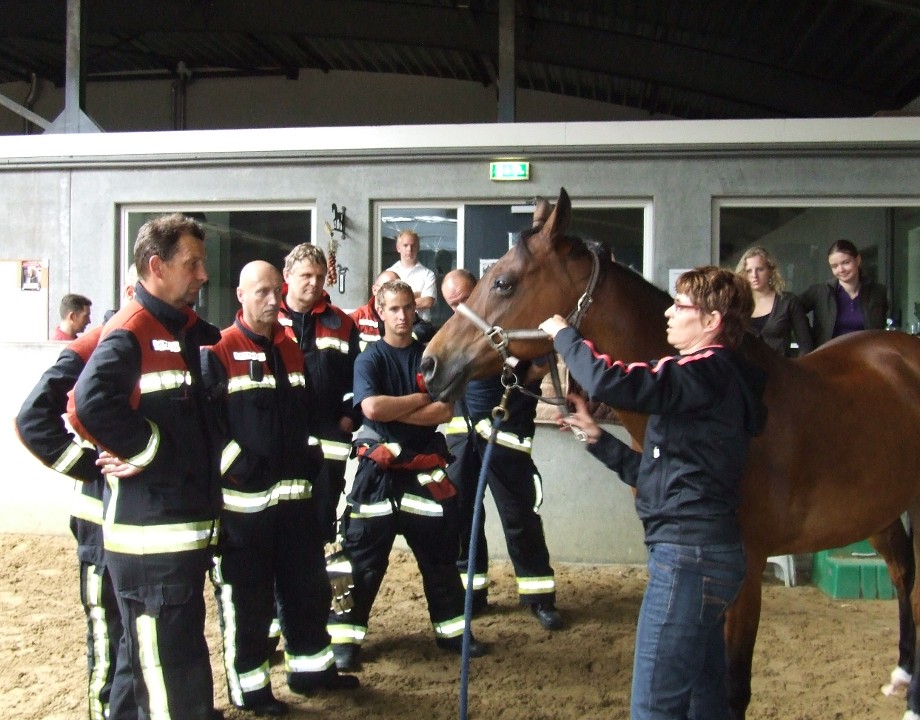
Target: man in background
513, 480
75, 317
420, 279
41, 429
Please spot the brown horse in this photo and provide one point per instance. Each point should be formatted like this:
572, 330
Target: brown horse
839, 459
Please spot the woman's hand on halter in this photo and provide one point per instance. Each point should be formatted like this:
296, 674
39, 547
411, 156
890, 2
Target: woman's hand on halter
579, 418
553, 325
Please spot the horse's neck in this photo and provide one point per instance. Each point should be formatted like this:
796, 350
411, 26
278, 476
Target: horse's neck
627, 317
626, 321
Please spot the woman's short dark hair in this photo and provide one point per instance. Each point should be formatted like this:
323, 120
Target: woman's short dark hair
847, 248
716, 289
843, 245
160, 236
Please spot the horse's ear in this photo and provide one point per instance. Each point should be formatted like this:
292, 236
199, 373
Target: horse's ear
558, 221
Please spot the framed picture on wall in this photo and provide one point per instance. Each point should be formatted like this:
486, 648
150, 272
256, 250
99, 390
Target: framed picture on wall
485, 264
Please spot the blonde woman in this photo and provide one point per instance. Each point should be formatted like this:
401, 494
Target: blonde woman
777, 314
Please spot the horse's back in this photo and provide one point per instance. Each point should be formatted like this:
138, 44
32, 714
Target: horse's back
838, 454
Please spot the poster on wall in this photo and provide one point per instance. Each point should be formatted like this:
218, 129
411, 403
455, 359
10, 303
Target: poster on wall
31, 275
485, 264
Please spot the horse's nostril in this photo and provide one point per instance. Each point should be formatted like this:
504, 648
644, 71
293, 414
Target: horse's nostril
428, 367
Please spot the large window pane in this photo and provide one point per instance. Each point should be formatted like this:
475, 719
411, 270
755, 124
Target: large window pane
887, 236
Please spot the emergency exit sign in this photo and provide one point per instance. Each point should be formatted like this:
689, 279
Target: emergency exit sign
509, 170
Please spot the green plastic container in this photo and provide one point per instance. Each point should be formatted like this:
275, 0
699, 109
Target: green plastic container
852, 572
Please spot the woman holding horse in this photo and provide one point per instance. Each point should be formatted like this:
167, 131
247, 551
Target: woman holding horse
704, 406
778, 314
849, 303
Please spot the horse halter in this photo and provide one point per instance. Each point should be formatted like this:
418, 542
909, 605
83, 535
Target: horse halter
499, 338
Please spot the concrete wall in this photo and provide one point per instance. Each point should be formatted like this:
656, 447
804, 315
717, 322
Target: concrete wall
61, 199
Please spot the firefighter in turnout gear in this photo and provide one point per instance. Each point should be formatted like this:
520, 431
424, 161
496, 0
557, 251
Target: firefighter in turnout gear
41, 428
400, 485
140, 398
513, 480
329, 341
271, 545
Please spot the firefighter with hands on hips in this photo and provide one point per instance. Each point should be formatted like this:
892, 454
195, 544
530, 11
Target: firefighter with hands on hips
513, 480
400, 485
271, 545
41, 428
140, 398
329, 341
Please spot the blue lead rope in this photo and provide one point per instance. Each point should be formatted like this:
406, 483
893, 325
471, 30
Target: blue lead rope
471, 568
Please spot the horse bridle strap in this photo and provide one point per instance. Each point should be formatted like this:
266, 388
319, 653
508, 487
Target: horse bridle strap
499, 338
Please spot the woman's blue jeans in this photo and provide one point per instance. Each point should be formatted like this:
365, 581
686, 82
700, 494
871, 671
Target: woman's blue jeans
679, 665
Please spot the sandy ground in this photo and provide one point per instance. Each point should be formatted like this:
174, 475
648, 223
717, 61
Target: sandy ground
816, 657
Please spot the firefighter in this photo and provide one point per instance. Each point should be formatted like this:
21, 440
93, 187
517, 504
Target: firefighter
140, 398
268, 510
41, 429
400, 485
513, 480
329, 341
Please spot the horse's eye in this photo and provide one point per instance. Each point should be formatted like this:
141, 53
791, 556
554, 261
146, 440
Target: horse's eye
503, 285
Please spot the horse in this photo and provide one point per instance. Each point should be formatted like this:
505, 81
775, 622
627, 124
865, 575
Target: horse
836, 463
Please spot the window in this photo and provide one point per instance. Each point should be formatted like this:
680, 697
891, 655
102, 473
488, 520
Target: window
234, 236
798, 233
474, 235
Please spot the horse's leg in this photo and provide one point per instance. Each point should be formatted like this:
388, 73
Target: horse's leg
913, 690
895, 546
741, 622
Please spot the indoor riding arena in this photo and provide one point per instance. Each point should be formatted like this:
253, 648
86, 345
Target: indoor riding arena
683, 136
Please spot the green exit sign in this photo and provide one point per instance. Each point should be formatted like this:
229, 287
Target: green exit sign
509, 170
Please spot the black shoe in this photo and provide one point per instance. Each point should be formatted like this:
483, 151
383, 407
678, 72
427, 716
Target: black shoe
547, 615
217, 714
455, 645
346, 656
269, 708
308, 683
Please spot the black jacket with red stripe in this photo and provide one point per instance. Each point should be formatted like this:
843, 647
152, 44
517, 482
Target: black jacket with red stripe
703, 409
268, 409
41, 429
329, 340
141, 397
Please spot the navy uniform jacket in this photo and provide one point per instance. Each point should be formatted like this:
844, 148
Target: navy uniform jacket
42, 430
267, 412
704, 408
141, 397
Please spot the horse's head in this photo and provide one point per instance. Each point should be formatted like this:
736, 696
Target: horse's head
543, 274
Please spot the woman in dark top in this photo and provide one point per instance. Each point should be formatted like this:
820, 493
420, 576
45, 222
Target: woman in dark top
704, 406
777, 313
850, 302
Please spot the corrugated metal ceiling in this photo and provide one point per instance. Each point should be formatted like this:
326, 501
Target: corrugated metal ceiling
683, 58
